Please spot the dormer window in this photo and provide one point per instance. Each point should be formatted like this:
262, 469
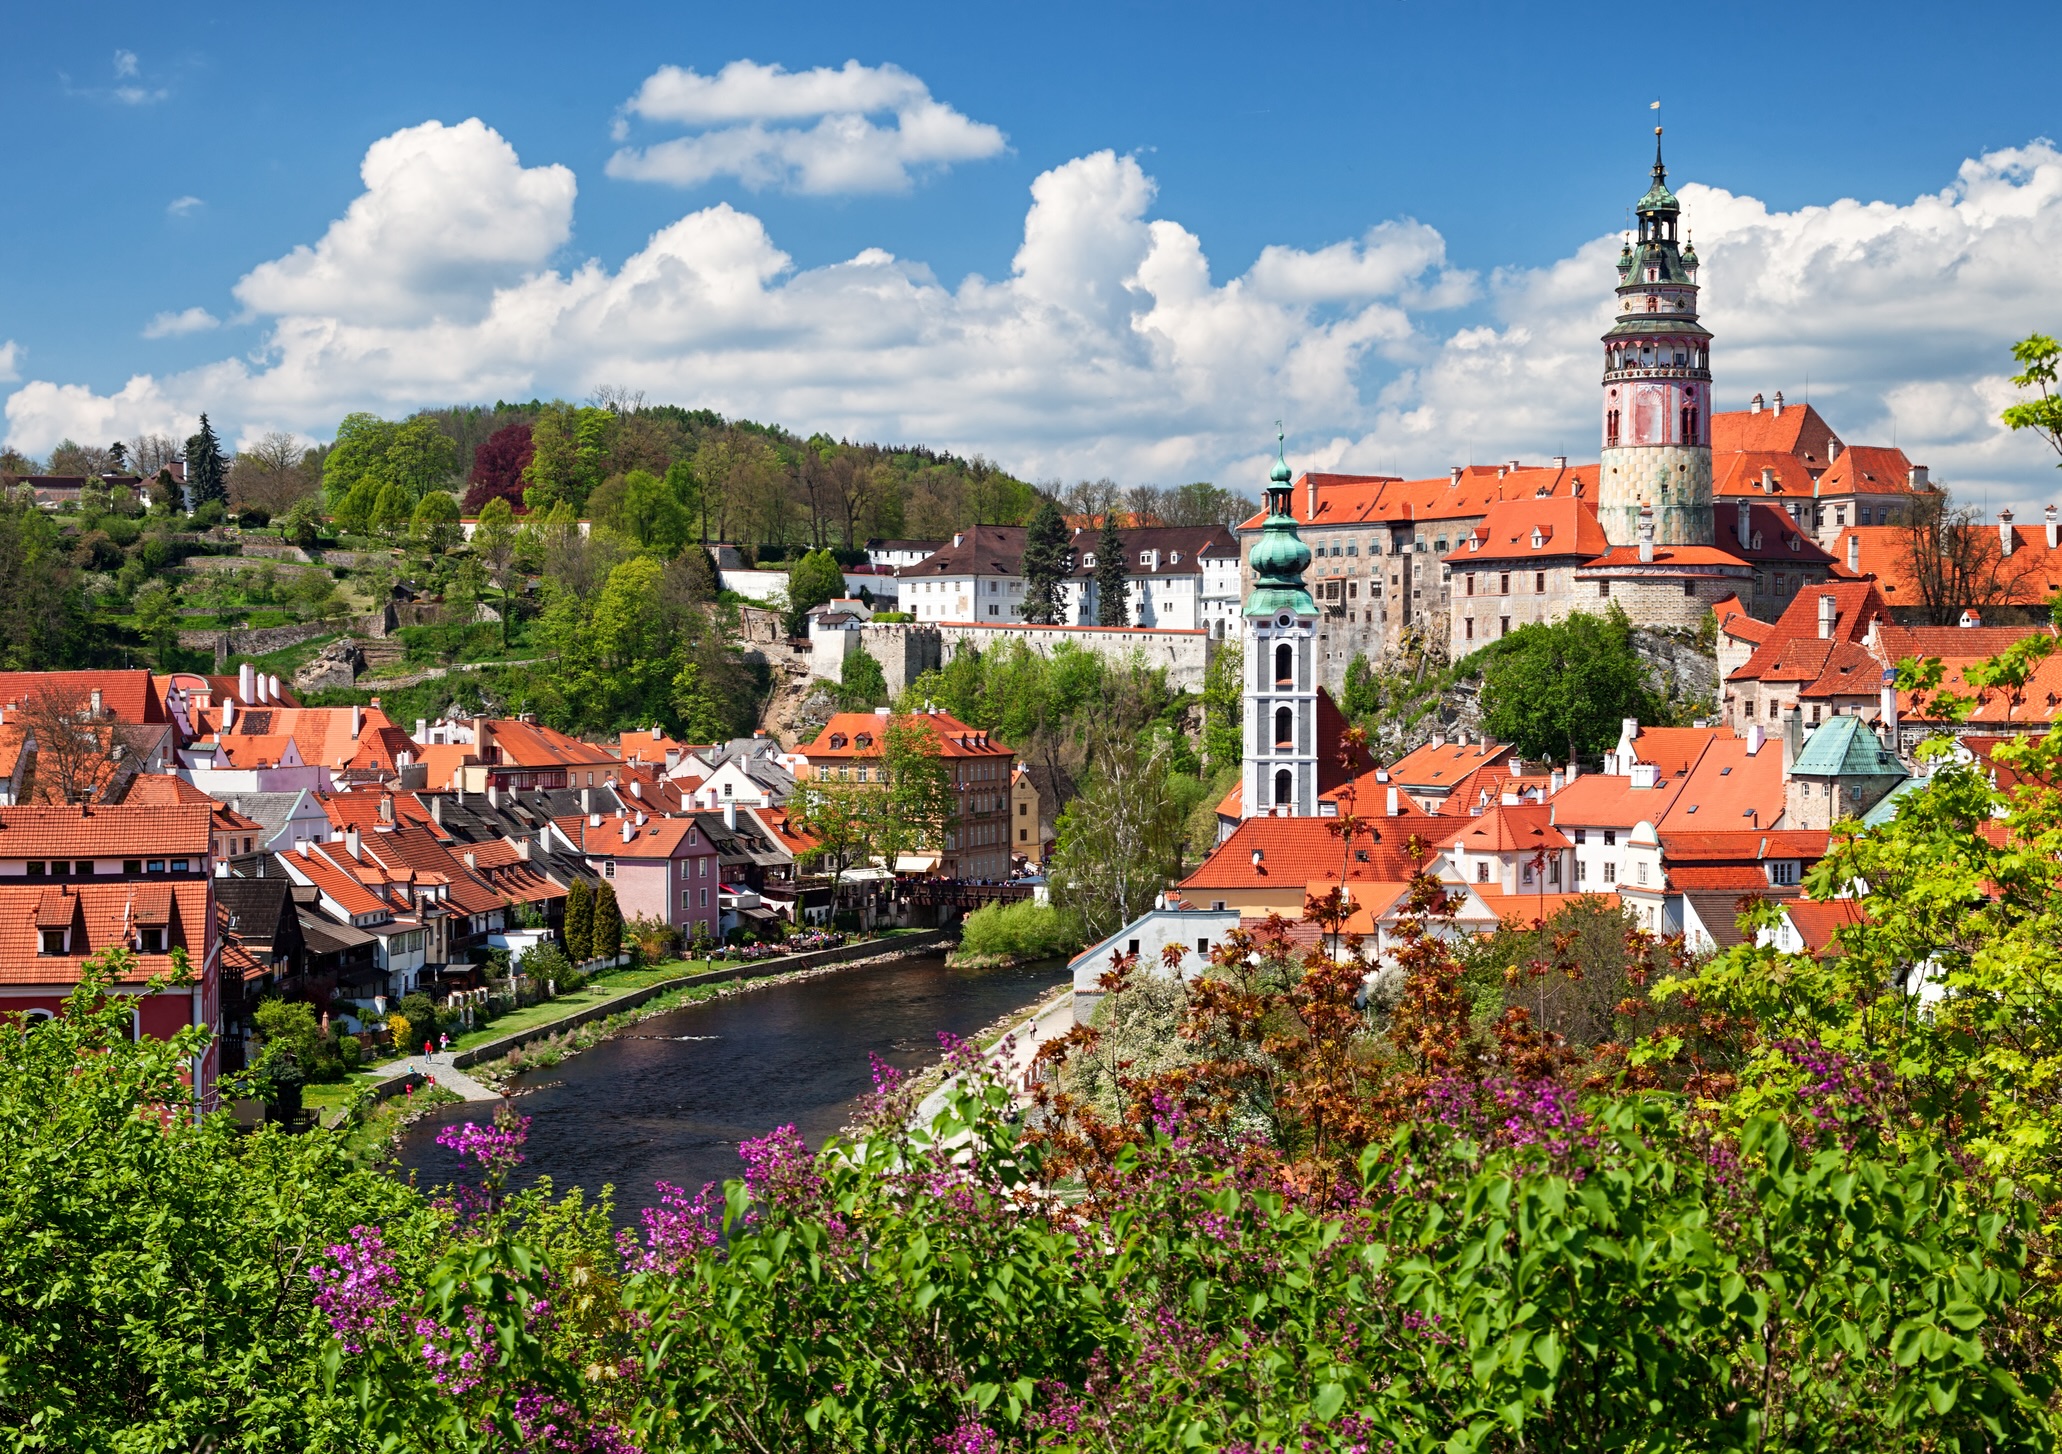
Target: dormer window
55, 941
864, 739
150, 941
1174, 557
1537, 538
837, 741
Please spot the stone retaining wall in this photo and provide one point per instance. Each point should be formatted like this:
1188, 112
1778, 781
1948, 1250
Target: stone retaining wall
748, 969
264, 640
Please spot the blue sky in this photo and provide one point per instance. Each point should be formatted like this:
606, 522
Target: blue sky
1516, 134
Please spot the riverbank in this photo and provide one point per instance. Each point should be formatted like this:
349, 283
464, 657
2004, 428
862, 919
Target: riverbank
572, 1023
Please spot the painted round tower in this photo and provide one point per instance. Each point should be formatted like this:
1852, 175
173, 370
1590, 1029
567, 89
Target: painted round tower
1657, 386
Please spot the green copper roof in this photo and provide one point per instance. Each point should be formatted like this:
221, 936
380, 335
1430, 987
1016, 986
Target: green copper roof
1845, 747
1886, 811
1279, 555
1659, 198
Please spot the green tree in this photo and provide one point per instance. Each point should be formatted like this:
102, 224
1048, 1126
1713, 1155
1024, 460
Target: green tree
653, 515
207, 473
391, 510
157, 621
840, 816
1120, 840
2038, 356
42, 615
685, 486
302, 523
494, 542
568, 449
1224, 699
579, 925
607, 934
435, 522
813, 580
861, 682
357, 513
359, 452
1047, 560
1112, 576
1563, 690
918, 800
420, 457
156, 1291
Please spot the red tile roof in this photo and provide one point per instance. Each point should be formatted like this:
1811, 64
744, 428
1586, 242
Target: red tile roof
2030, 576
841, 737
1533, 529
1816, 921
1798, 430
1530, 911
1382, 499
531, 744
100, 916
1597, 801
1734, 621
1444, 764
1729, 788
654, 838
104, 830
1741, 474
1867, 469
125, 694
1297, 851
1794, 651
1510, 828
1675, 750
1743, 878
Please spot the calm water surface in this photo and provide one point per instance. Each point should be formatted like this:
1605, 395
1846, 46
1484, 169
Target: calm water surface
670, 1099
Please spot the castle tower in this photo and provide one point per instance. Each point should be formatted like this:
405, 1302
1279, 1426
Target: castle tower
1279, 777
1657, 386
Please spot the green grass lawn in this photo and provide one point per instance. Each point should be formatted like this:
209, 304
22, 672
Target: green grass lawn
605, 988
338, 1094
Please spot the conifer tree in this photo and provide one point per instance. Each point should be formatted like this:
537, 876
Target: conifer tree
608, 923
1046, 564
579, 926
207, 477
1112, 578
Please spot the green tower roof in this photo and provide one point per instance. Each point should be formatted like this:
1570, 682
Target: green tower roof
1845, 747
1279, 555
1659, 198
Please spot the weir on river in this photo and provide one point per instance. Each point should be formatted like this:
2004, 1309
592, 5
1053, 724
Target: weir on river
670, 1098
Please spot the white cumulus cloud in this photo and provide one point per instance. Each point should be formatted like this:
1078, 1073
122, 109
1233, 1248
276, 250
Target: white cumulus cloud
873, 128
10, 361
184, 206
1108, 346
186, 320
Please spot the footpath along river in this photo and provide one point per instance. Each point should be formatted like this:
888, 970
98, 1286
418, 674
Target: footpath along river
670, 1099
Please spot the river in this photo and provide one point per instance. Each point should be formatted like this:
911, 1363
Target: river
669, 1099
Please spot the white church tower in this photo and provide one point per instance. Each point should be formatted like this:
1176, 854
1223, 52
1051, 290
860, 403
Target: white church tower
1280, 771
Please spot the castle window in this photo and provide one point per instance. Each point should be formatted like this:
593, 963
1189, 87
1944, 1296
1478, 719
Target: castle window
1504, 584
1653, 305
1604, 589
1611, 427
1503, 626
1470, 628
1689, 588
1539, 583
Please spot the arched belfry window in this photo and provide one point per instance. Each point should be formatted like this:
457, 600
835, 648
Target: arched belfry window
1284, 788
1284, 665
1284, 728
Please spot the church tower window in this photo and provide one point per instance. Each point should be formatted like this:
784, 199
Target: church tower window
1284, 728
1285, 665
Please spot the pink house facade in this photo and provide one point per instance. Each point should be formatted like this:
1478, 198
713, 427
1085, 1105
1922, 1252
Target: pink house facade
660, 868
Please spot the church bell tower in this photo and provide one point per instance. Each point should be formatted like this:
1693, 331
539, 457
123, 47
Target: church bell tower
1657, 386
1279, 776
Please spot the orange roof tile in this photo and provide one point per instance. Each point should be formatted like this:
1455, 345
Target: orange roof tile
1444, 764
850, 735
1742, 474
1866, 469
127, 695
1734, 621
1533, 529
100, 916
55, 831
2030, 576
1382, 499
1532, 910
1794, 651
1295, 851
1511, 828
1798, 429
1729, 787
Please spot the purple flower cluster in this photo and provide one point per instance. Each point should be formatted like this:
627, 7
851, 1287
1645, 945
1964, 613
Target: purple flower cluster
971, 1437
676, 1231
1503, 1114
458, 1358
545, 1422
357, 1287
498, 1148
1840, 1098
779, 1169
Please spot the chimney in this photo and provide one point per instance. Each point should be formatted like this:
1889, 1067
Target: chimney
493, 794
228, 713
1755, 739
587, 800
656, 733
422, 729
1453, 476
1645, 775
1560, 461
1889, 713
1854, 548
1829, 613
1917, 478
437, 810
640, 817
1646, 534
730, 813
1573, 771
1779, 404
1555, 782
1768, 480
1310, 493
357, 722
1745, 528
247, 683
1439, 739
351, 841
386, 808
594, 820
2006, 539
1793, 737
1394, 804
628, 832
1755, 406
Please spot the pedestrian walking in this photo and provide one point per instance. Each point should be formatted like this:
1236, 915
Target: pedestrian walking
444, 1042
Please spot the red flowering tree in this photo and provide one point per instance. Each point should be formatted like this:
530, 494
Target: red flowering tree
498, 466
